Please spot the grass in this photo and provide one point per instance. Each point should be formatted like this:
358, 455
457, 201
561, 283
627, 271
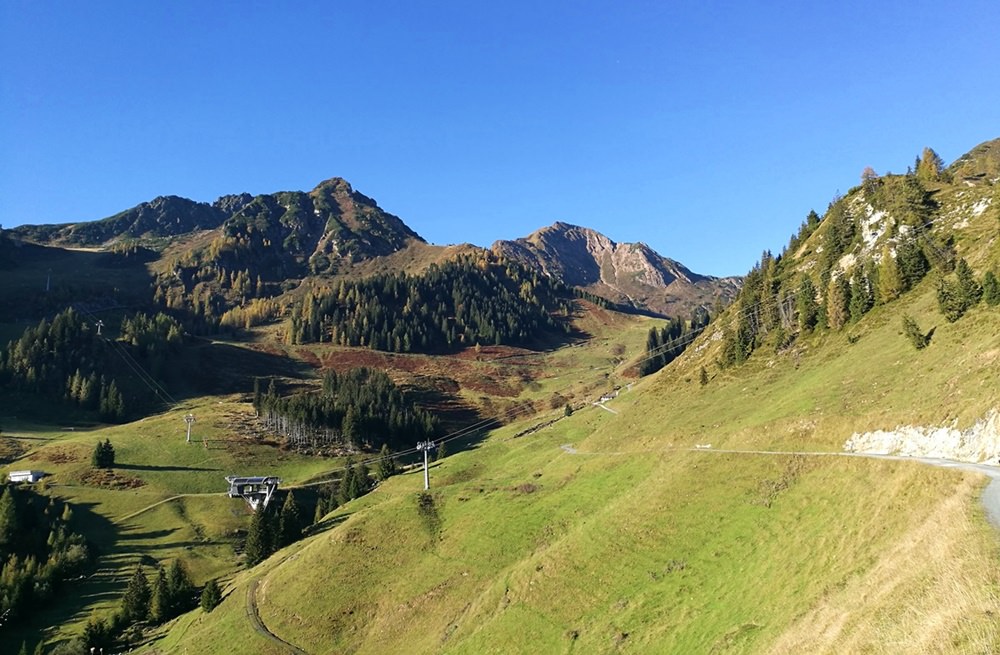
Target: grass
170, 502
626, 542
636, 544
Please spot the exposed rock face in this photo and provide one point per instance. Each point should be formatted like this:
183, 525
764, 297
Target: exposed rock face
980, 443
627, 273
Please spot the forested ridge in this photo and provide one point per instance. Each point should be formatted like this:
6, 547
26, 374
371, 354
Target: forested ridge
474, 299
870, 248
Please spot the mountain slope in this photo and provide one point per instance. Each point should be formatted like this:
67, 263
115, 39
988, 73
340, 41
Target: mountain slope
164, 216
631, 274
330, 222
616, 529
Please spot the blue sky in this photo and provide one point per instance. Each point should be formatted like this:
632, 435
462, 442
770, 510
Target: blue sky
706, 129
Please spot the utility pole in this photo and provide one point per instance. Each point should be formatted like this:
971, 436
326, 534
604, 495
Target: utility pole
99, 325
426, 446
189, 419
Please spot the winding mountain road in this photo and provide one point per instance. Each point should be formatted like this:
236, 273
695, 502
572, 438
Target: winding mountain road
258, 624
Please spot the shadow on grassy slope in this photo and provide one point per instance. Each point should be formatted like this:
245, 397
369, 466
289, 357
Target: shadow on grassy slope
152, 467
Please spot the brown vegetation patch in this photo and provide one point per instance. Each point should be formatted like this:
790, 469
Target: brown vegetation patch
63, 455
110, 479
10, 449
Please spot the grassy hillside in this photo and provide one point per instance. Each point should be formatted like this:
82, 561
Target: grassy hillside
633, 543
611, 528
608, 531
165, 498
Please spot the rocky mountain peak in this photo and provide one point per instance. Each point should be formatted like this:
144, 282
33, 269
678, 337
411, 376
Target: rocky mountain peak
628, 273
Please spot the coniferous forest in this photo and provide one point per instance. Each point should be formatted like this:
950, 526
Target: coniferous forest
66, 359
359, 408
38, 549
471, 300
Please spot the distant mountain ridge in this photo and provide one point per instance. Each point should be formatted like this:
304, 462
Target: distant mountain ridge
293, 234
332, 219
632, 274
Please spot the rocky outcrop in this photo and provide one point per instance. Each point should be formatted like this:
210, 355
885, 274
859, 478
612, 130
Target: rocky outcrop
627, 273
979, 443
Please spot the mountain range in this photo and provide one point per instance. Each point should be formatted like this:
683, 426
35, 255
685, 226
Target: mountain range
333, 227
736, 498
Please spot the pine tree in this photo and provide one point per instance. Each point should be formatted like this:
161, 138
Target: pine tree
991, 289
289, 522
890, 280
9, 526
159, 607
386, 466
181, 589
211, 595
969, 289
805, 303
137, 596
837, 299
259, 544
950, 300
703, 376
97, 634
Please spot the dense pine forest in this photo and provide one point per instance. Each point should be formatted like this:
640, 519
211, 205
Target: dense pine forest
359, 408
67, 360
38, 549
664, 345
468, 301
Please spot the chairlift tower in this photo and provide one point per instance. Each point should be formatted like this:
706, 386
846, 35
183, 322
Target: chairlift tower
256, 490
426, 446
189, 419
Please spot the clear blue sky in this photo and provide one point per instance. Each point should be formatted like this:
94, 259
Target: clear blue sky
706, 129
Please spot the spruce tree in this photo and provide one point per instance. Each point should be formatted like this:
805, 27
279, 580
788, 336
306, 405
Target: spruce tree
289, 522
137, 596
950, 300
320, 510
969, 289
103, 455
991, 289
890, 279
9, 527
181, 589
386, 466
259, 544
159, 607
805, 303
914, 333
211, 595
